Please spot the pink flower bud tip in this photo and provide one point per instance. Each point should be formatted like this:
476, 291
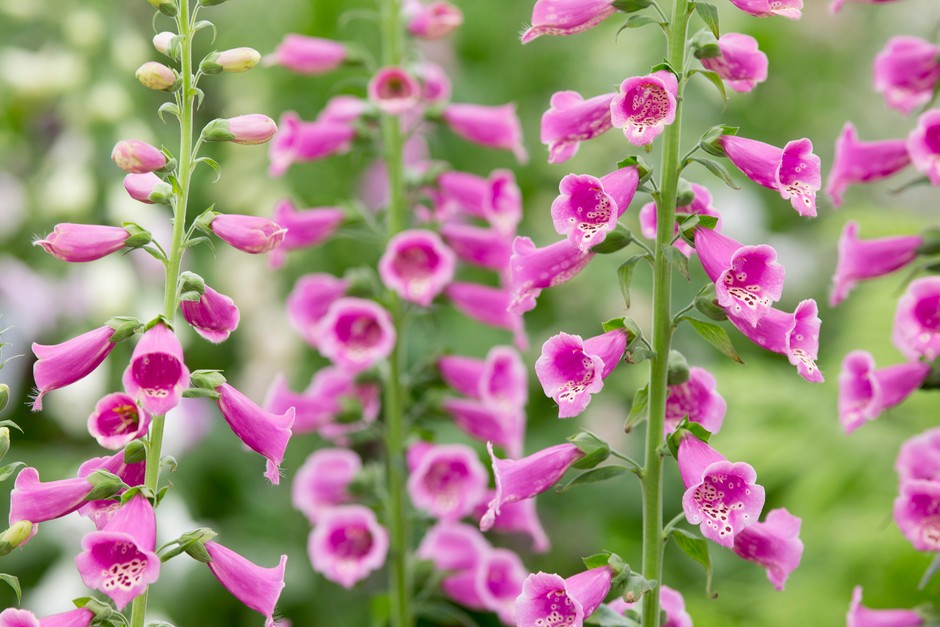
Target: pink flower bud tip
137, 157
83, 242
308, 55
251, 234
147, 188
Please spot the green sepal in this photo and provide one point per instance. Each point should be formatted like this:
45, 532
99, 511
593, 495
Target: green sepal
595, 450
618, 239
710, 139
135, 451
706, 302
597, 560
124, 328
696, 548
14, 583
638, 409
678, 368
4, 396
635, 586
631, 6
161, 319
205, 219
106, 485
138, 236
643, 168
685, 195
190, 286
7, 471
704, 45
716, 336
206, 379
102, 611
18, 533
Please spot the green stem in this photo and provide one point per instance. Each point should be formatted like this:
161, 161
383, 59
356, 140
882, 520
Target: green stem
662, 326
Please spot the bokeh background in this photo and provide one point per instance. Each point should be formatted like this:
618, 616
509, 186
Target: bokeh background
67, 94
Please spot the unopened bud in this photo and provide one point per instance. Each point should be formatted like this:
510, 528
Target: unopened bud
4, 395
105, 484
234, 60
157, 76
4, 441
137, 157
16, 535
678, 369
243, 129
191, 286
165, 44
166, 7
148, 188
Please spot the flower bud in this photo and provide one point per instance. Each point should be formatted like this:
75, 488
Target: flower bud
4, 441
678, 368
243, 129
166, 7
17, 534
163, 42
234, 60
157, 76
137, 157
4, 396
148, 188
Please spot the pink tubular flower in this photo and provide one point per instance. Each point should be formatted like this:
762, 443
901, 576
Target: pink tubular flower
861, 616
214, 316
741, 64
137, 157
492, 584
794, 171
670, 601
448, 482
117, 420
83, 242
434, 20
38, 502
644, 106
697, 399
917, 320
435, 85
417, 266
774, 544
500, 380
701, 204
80, 617
347, 544
250, 234
547, 599
307, 55
147, 188
493, 127
59, 365
865, 392
156, 376
720, 496
305, 228
263, 432
520, 479
534, 269
748, 279
504, 427
863, 162
119, 560
566, 17
518, 517
795, 335
308, 302
790, 9
489, 305
588, 207
919, 457
906, 72
394, 91
300, 142
923, 145
496, 199
248, 130
323, 481
868, 259
571, 369
484, 247
344, 109
101, 511
917, 513
256, 587
571, 120
453, 546
355, 334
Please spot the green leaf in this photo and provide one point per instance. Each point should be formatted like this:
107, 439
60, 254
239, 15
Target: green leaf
716, 336
636, 586
9, 469
617, 239
697, 549
594, 476
630, 6
718, 170
641, 401
168, 107
932, 570
201, 24
918, 182
597, 560
625, 276
709, 141
11, 424
14, 583
595, 450
707, 303
643, 169
715, 80
638, 21
606, 617
678, 260
709, 15
212, 163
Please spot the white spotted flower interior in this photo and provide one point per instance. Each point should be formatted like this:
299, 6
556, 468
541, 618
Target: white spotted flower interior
588, 207
644, 106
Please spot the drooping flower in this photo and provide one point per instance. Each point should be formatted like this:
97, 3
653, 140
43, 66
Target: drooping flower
83, 242
347, 544
38, 502
307, 55
571, 369
263, 432
136, 157
434, 20
305, 228
147, 188
493, 127
906, 71
101, 511
256, 587
308, 302
919, 457
59, 365
534, 269
417, 265
917, 513
790, 9
795, 335
571, 120
923, 146
589, 207
214, 316
861, 616
452, 546
566, 17
865, 392
741, 63
356, 333
518, 517
250, 234
698, 399
547, 599
484, 247
863, 162
117, 420
79, 617
670, 601
774, 544
300, 142
489, 305
644, 106
157, 375
916, 330
394, 91
868, 259
447, 482
701, 204
323, 481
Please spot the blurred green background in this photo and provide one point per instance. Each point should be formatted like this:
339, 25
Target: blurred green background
67, 94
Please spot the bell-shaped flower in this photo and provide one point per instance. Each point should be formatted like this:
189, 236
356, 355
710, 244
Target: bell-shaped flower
307, 55
916, 330
137, 157
493, 127
119, 560
478, 246
701, 204
256, 587
263, 432
861, 616
101, 511
868, 259
305, 228
865, 392
336, 389
774, 544
417, 266
504, 427
520, 479
489, 305
748, 279
83, 242
117, 420
741, 63
518, 517
492, 585
250, 234
671, 603
500, 380
496, 199
566, 17
795, 335
308, 302
923, 147
588, 207
907, 71
790, 9
346, 109
355, 334
323, 481
463, 374
59, 365
917, 513
347, 544
79, 617
722, 497
214, 316
447, 482
434, 20
435, 85
696, 399
571, 120
453, 546
919, 457
300, 142
534, 269
394, 91
157, 376
863, 162
571, 369
37, 502
547, 599
644, 106
147, 188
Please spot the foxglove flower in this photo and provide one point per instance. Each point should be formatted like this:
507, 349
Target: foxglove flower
865, 392
774, 544
534, 269
394, 91
323, 481
453, 546
248, 130
520, 479
571, 120
790, 9
435, 86
355, 334
157, 376
488, 305
720, 496
59, 365
305, 228
137, 157
214, 316
38, 502
644, 106
504, 427
300, 142
917, 320
868, 259
670, 601
117, 420
484, 247
447, 482
308, 302
919, 457
101, 511
499, 381
566, 17
147, 188
795, 335
79, 617
156, 76
325, 400
233, 60
861, 616
748, 279
308, 55
417, 266
922, 147
493, 127
263, 432
345, 109
588, 207
347, 544
250, 234
794, 171
518, 517
741, 63
701, 204
83, 242
698, 399
906, 71
434, 20
571, 369
496, 199
119, 560
256, 587
492, 585
547, 599
863, 162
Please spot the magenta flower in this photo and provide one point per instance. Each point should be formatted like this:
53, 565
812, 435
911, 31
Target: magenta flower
701, 204
80, 617
571, 120
147, 188
263, 432
868, 259
137, 157
489, 305
157, 376
741, 64
865, 392
795, 335
453, 546
484, 247
493, 127
325, 400
347, 544
774, 544
394, 91
644, 106
500, 380
518, 517
566, 17
794, 171
308, 302
307, 55
748, 279
863, 162
670, 601
434, 20
919, 457
520, 479
214, 316
344, 109
547, 599
448, 482
790, 9
917, 320
305, 228
503, 426
59, 365
417, 266
906, 72
101, 511
250, 234
83, 242
698, 399
119, 560
435, 85
247, 130
300, 142
496, 199
861, 616
534, 269
588, 207
720, 496
492, 585
117, 420
917, 513
923, 146
323, 481
571, 369
356, 333
256, 587
38, 502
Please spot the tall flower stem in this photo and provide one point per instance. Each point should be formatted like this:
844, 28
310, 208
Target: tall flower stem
662, 324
